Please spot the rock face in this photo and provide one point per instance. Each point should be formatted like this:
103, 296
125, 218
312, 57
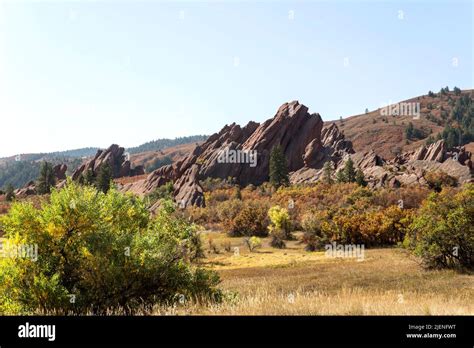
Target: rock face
113, 156
60, 171
244, 153
187, 189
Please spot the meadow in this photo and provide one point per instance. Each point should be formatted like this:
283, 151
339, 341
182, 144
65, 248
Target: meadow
292, 281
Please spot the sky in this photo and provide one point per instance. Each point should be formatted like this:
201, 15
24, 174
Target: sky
91, 73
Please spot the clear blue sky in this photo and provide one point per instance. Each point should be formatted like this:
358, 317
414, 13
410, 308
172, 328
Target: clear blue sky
92, 73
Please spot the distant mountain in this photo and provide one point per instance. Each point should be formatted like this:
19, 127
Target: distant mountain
19, 173
21, 169
77, 153
161, 144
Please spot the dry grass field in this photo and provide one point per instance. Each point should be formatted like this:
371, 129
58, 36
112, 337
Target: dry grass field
292, 281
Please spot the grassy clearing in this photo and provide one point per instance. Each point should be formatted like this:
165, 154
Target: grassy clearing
295, 282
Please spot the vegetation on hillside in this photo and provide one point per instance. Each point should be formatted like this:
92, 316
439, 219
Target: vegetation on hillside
160, 144
19, 173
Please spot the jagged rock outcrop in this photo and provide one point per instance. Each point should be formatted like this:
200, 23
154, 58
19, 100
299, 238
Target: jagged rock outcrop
406, 169
113, 156
242, 153
187, 190
60, 171
306, 145
28, 190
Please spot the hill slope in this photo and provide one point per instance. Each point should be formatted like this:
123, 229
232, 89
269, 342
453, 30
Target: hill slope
386, 134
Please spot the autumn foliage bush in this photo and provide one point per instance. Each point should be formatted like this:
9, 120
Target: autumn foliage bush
102, 250
251, 220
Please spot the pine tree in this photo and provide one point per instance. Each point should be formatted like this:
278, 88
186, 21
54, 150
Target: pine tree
46, 179
340, 177
10, 193
88, 177
328, 170
278, 168
238, 193
349, 171
360, 179
104, 178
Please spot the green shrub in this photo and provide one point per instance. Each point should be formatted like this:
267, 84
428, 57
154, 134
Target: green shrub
102, 250
442, 232
314, 237
253, 243
162, 192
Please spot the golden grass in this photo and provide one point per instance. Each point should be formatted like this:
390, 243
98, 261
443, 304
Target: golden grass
295, 282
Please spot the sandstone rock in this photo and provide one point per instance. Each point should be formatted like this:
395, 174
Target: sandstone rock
113, 156
60, 171
306, 147
433, 152
187, 190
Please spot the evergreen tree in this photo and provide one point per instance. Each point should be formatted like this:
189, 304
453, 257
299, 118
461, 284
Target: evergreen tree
9, 193
104, 178
278, 168
409, 130
88, 177
46, 179
238, 193
360, 179
349, 171
340, 177
328, 170
430, 140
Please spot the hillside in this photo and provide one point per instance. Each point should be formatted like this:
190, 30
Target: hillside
20, 169
161, 144
152, 160
386, 134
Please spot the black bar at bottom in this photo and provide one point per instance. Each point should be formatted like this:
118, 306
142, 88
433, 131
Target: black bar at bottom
219, 331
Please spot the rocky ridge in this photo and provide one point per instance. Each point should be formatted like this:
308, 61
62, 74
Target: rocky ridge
307, 146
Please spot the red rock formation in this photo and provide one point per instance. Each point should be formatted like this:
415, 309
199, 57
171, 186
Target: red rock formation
113, 156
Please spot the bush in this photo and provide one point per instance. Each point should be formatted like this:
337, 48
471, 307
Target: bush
442, 233
251, 220
438, 179
356, 225
313, 237
162, 192
253, 243
280, 228
227, 211
280, 221
104, 251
